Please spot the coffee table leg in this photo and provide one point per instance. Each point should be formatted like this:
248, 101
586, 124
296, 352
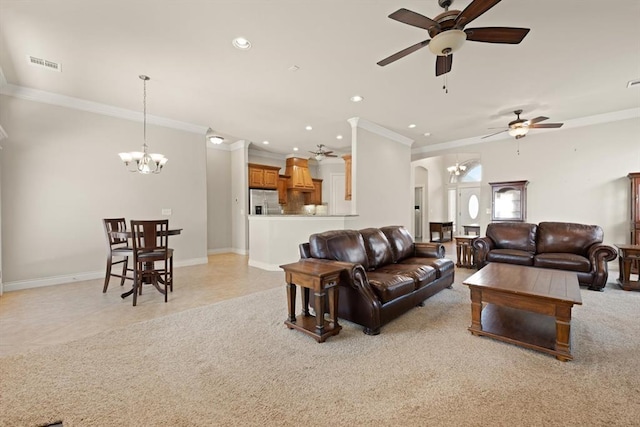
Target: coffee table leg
319, 308
476, 310
563, 332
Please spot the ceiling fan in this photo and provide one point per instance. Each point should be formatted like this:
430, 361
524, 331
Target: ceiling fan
448, 34
520, 127
321, 153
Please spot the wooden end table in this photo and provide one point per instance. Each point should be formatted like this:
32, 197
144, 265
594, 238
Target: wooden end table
526, 306
464, 251
443, 229
323, 279
628, 256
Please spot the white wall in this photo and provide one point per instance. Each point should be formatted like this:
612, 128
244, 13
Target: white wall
382, 188
239, 197
575, 174
218, 200
61, 175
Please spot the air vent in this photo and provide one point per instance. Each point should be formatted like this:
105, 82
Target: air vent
44, 63
633, 83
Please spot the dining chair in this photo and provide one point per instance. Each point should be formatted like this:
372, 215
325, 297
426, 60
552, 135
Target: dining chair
152, 257
117, 247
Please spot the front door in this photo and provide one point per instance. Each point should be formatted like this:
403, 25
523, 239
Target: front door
468, 207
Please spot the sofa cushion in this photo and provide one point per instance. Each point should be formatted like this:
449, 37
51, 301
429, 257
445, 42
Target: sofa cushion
513, 235
566, 237
377, 246
339, 245
510, 256
390, 286
443, 266
400, 240
562, 261
421, 274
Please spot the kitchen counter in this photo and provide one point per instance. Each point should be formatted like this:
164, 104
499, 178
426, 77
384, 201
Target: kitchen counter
274, 239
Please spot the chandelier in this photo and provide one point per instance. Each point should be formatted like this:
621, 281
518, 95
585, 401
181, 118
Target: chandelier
145, 163
457, 169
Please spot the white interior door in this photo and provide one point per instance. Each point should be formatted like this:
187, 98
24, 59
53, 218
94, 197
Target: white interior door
468, 207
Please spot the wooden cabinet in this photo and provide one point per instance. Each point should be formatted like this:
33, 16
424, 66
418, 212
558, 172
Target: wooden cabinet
347, 176
314, 197
299, 176
283, 180
263, 176
635, 207
509, 201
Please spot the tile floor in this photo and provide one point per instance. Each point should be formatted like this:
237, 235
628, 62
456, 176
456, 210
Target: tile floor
40, 317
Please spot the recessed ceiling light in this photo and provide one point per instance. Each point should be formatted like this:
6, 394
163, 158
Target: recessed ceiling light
308, 128
241, 43
294, 68
356, 98
339, 137
427, 134
295, 148
411, 126
265, 142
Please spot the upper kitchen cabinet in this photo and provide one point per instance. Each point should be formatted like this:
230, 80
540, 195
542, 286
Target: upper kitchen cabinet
263, 176
314, 197
299, 176
347, 176
283, 181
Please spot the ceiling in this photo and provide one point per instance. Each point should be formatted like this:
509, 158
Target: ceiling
575, 62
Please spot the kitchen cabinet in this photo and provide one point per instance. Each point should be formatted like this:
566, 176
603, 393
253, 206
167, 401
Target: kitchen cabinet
509, 201
347, 176
263, 176
283, 181
314, 197
299, 176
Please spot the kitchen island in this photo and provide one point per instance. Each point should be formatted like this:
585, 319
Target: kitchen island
274, 239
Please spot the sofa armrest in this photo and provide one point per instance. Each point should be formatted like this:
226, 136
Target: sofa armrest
429, 250
482, 246
599, 255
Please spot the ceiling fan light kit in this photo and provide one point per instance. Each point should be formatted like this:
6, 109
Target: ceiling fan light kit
321, 153
447, 42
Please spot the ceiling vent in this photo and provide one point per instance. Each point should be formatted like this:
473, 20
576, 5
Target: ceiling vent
44, 63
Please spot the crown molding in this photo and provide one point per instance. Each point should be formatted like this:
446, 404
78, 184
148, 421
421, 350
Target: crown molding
358, 122
97, 108
568, 124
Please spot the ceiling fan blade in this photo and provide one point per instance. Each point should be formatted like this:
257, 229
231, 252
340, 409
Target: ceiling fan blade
546, 125
412, 18
503, 130
331, 155
443, 64
403, 53
497, 34
537, 119
475, 9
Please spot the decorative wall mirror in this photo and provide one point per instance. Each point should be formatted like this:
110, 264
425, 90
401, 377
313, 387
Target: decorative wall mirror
509, 201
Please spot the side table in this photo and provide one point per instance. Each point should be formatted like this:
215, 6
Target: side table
464, 251
444, 230
323, 280
628, 255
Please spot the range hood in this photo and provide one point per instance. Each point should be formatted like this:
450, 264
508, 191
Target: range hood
299, 176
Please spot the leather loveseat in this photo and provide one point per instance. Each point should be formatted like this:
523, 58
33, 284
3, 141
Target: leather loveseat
386, 273
558, 245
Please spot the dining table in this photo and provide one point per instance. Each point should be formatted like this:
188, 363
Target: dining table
128, 234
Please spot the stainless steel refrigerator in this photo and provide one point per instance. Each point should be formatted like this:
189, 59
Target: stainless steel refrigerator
264, 202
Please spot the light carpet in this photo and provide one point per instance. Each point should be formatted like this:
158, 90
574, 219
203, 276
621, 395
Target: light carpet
234, 363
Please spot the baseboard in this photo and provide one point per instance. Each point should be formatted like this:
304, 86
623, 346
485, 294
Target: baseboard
220, 251
264, 265
79, 277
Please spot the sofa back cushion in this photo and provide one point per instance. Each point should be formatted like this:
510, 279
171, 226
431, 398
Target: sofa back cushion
567, 237
379, 252
513, 235
339, 245
401, 242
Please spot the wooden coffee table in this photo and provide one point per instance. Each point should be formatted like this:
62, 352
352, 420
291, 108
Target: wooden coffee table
526, 306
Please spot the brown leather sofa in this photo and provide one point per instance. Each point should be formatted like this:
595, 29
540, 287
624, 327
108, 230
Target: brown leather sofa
558, 245
386, 272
